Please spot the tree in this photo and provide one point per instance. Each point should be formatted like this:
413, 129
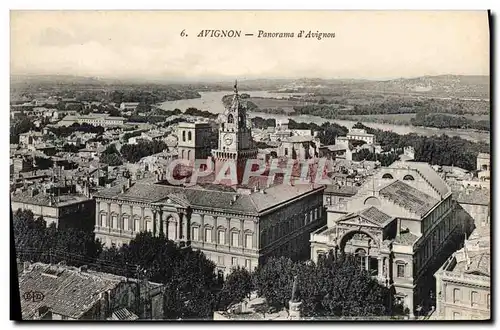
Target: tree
237, 286
188, 275
36, 242
274, 281
330, 288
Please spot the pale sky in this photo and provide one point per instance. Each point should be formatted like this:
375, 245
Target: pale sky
142, 44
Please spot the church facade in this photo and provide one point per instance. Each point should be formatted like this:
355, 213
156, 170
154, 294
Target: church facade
402, 225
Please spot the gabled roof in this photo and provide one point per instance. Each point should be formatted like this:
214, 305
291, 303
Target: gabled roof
375, 215
428, 173
372, 215
408, 197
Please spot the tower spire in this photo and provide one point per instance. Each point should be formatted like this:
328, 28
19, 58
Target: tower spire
236, 87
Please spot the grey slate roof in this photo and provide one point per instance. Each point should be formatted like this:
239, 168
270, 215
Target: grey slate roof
408, 197
68, 292
406, 238
207, 196
375, 215
428, 173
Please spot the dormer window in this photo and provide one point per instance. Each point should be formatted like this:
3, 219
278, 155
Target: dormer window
230, 119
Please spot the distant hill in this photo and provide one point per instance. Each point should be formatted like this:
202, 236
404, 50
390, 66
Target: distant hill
432, 86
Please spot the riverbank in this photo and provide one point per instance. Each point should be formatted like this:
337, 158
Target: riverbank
212, 101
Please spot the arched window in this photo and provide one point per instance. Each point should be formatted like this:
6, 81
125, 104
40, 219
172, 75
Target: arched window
373, 201
230, 119
248, 239
183, 135
235, 237
137, 224
182, 153
408, 177
189, 136
125, 222
195, 232
189, 155
387, 176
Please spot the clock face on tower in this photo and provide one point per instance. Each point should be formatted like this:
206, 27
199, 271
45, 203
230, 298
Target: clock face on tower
228, 139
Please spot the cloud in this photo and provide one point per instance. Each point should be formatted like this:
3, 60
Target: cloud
148, 44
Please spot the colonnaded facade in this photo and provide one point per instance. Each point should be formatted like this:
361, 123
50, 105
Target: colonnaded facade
232, 224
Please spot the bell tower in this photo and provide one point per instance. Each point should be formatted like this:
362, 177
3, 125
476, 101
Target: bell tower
235, 138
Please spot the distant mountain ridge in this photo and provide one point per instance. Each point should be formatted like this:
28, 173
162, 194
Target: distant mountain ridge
442, 85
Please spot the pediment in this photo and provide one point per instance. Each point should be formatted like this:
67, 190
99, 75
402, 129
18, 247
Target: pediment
358, 220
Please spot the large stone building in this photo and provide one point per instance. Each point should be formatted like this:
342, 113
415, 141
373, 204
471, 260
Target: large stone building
483, 162
103, 120
400, 223
232, 225
65, 210
193, 140
299, 147
463, 283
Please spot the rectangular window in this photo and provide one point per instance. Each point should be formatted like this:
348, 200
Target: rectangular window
474, 298
114, 221
221, 237
195, 234
208, 235
248, 264
220, 260
401, 270
234, 261
457, 296
235, 239
137, 225
328, 200
125, 223
149, 226
103, 220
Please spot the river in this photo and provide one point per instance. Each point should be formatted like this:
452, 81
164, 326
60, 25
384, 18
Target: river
212, 101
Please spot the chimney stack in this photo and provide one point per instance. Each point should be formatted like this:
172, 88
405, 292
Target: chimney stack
129, 183
83, 268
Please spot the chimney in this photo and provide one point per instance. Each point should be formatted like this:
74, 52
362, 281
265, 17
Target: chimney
83, 268
123, 189
398, 229
129, 183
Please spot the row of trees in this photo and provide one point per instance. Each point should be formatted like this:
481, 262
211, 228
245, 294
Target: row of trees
440, 120
64, 131
134, 152
332, 287
436, 150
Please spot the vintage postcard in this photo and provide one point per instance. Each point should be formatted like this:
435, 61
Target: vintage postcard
250, 165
